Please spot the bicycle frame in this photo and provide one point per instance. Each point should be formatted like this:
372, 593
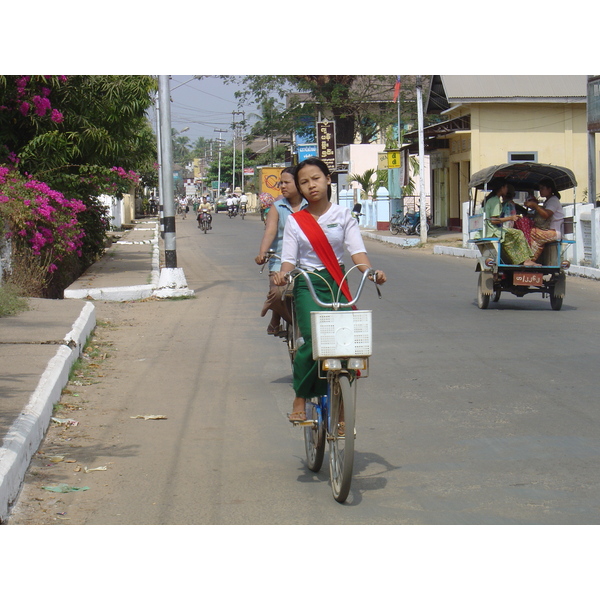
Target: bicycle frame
333, 415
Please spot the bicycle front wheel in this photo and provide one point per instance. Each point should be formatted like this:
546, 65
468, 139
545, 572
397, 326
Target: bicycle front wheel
342, 394
314, 435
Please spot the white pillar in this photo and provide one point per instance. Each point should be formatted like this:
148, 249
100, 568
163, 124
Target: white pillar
382, 207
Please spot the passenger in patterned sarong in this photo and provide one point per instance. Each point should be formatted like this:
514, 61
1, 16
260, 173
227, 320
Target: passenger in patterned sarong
515, 249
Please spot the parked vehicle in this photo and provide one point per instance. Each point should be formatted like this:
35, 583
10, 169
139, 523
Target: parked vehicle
495, 274
409, 224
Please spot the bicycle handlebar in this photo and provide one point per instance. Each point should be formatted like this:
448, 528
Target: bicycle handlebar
335, 305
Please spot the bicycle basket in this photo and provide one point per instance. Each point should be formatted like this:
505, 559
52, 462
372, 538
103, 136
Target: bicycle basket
341, 333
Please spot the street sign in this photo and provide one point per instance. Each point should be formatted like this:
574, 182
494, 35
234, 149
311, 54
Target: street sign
593, 104
394, 159
306, 150
326, 142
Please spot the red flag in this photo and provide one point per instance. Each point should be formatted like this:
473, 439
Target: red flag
396, 88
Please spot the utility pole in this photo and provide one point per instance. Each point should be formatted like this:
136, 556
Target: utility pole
159, 152
166, 146
422, 208
235, 124
219, 131
171, 280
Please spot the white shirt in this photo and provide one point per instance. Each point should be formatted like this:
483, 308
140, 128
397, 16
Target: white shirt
558, 216
339, 227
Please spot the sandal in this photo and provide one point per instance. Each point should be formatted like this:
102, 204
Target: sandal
297, 417
272, 329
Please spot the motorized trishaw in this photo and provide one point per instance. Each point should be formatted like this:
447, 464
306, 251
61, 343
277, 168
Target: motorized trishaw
496, 274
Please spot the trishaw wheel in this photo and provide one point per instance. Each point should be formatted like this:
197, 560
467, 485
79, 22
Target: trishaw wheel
483, 300
555, 301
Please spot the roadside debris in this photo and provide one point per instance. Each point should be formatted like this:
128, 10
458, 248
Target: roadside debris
149, 417
64, 488
69, 422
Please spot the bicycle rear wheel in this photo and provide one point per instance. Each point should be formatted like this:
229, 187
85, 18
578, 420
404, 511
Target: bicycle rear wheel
292, 331
342, 395
314, 435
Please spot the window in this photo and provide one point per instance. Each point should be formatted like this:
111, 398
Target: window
522, 157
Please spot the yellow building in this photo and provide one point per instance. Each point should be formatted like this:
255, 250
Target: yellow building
491, 120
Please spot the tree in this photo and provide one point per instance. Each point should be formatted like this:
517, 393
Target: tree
370, 181
360, 104
182, 152
82, 135
271, 122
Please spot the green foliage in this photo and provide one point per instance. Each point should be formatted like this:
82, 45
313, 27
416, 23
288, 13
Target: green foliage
370, 181
360, 104
83, 135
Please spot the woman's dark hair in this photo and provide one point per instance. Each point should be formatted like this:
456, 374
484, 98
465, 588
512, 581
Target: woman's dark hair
290, 170
510, 192
496, 184
547, 182
313, 161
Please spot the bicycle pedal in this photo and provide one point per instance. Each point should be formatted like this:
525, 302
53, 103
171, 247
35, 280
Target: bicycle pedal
304, 423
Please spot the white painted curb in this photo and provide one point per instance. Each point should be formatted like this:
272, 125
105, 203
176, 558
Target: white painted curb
26, 433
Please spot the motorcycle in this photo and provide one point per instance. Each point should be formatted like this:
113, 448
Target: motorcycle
410, 224
356, 212
232, 210
204, 220
243, 210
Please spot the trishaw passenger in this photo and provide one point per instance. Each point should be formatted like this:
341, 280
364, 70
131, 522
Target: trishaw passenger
548, 217
499, 222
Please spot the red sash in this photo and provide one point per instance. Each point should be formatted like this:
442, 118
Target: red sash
312, 230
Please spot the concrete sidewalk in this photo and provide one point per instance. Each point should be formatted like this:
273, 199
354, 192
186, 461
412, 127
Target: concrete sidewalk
39, 346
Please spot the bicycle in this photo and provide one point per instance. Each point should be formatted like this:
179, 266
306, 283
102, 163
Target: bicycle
289, 332
342, 344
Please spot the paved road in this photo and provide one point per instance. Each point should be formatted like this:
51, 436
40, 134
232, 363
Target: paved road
468, 416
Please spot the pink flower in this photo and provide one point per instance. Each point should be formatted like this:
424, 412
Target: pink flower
42, 105
57, 116
24, 108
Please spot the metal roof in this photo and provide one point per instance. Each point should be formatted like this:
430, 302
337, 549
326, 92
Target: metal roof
515, 88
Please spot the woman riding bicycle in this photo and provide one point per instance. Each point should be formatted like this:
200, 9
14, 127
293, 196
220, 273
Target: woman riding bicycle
290, 202
341, 232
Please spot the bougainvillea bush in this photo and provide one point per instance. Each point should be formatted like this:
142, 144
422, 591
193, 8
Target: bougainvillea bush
41, 224
64, 135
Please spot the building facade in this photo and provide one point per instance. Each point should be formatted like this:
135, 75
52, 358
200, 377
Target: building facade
492, 120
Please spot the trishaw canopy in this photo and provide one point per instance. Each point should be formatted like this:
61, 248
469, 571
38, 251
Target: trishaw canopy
524, 176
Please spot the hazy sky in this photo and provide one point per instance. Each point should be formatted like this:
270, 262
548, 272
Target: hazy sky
204, 105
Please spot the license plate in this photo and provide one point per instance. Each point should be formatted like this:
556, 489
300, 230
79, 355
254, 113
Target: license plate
524, 278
